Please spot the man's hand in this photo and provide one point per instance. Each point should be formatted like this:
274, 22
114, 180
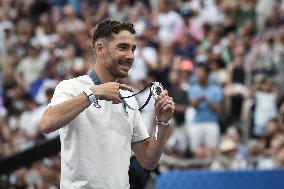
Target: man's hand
164, 107
110, 91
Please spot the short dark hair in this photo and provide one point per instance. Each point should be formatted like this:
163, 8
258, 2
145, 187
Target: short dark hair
204, 67
107, 28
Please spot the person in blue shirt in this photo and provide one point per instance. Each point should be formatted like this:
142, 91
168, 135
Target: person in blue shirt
205, 98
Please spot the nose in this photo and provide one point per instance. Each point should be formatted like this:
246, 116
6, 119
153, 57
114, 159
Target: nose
130, 55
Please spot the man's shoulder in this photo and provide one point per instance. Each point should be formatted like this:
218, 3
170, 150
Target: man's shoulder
74, 84
81, 79
84, 79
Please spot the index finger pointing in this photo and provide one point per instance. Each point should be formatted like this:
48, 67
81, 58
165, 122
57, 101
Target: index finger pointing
125, 87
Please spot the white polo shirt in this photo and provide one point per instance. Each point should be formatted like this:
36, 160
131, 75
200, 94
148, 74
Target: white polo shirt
96, 145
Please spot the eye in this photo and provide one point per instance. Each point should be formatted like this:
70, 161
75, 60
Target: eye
133, 49
123, 47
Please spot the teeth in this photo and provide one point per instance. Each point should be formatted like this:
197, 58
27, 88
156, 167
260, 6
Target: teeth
126, 64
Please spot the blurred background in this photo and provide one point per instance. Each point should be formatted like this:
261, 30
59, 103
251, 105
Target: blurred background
221, 60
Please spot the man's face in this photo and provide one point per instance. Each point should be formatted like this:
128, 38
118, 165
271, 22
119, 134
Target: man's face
119, 54
272, 127
201, 75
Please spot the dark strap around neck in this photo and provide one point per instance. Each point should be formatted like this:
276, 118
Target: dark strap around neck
95, 78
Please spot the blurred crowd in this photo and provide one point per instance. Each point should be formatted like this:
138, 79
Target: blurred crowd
221, 60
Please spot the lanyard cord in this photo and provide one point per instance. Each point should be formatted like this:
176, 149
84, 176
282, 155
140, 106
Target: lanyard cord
93, 75
146, 102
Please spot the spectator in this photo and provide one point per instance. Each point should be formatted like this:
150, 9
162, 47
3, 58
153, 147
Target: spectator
119, 10
71, 23
256, 159
245, 13
186, 46
235, 90
169, 22
180, 98
281, 115
264, 9
280, 159
29, 69
206, 98
102, 12
228, 158
28, 122
265, 107
178, 142
275, 133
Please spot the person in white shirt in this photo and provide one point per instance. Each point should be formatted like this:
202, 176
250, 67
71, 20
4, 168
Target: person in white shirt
97, 131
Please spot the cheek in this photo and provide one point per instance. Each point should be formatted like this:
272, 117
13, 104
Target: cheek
112, 62
110, 57
117, 55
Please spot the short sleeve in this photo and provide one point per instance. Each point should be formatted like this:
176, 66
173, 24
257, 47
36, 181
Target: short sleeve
139, 129
65, 90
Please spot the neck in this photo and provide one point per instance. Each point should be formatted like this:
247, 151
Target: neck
203, 83
176, 86
103, 74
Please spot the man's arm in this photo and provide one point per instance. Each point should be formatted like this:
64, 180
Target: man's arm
148, 151
194, 102
215, 106
61, 114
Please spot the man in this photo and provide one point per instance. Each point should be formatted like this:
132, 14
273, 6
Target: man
96, 140
206, 98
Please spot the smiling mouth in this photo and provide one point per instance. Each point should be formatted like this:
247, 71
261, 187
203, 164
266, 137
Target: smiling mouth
126, 64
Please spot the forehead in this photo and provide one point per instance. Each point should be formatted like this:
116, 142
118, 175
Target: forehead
123, 37
199, 69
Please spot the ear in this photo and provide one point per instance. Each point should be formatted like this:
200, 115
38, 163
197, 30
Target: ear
99, 48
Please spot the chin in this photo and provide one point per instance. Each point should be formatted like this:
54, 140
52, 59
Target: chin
122, 75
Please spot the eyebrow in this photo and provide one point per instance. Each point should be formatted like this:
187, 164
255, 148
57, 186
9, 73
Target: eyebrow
125, 44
